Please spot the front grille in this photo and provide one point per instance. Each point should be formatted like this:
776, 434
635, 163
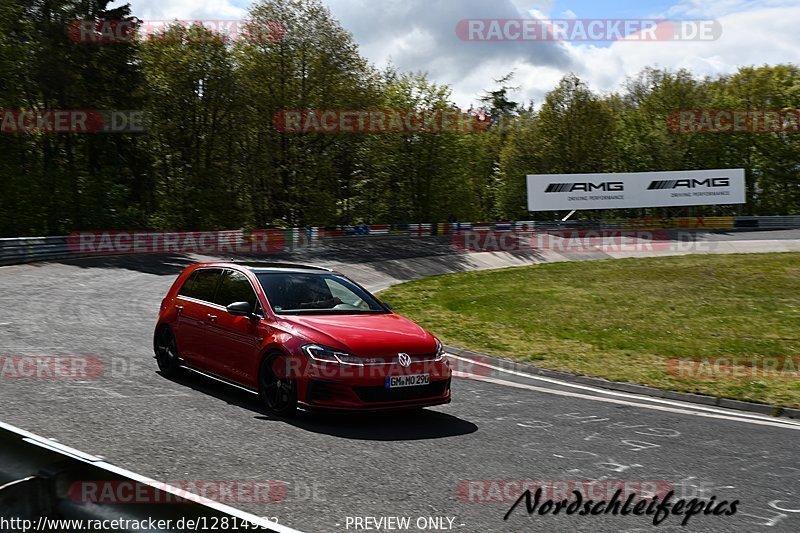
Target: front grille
393, 359
382, 394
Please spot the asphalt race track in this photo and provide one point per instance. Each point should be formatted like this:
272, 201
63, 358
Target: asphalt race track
499, 427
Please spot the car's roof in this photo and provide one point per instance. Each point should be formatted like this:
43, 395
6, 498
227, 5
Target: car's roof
262, 267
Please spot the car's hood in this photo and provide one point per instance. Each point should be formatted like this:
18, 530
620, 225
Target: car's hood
365, 335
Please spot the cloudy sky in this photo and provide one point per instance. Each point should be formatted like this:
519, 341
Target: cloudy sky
420, 35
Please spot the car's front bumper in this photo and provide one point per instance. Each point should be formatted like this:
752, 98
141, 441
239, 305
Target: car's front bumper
332, 395
365, 388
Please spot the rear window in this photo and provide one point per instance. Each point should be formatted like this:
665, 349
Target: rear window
186, 290
202, 285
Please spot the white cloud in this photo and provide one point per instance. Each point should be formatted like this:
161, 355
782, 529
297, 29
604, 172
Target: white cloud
719, 8
534, 8
420, 35
755, 37
184, 9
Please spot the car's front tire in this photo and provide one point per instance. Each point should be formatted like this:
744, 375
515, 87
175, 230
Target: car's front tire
166, 349
277, 388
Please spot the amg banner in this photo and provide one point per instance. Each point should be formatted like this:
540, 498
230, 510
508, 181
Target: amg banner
559, 192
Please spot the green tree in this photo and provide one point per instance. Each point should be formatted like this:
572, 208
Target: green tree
60, 182
417, 177
191, 97
575, 130
771, 159
314, 65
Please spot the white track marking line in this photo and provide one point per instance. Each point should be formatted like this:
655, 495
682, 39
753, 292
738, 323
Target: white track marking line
627, 394
685, 411
258, 522
761, 422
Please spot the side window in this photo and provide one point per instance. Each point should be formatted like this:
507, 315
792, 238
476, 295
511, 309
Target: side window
205, 284
235, 287
188, 285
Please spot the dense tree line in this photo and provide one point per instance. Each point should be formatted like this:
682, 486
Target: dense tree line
213, 159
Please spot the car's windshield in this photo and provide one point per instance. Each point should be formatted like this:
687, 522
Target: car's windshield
300, 293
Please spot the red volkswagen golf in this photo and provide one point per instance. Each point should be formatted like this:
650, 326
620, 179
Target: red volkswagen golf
299, 336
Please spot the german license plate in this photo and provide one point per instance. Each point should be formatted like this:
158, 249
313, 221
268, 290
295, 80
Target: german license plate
416, 380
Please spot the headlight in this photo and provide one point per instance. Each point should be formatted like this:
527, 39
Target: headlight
323, 354
440, 355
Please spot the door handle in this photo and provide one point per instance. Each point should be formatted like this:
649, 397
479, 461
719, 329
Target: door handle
179, 308
212, 318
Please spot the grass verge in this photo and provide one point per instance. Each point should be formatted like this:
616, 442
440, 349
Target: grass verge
631, 319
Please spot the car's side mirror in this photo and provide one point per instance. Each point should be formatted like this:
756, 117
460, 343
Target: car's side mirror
241, 309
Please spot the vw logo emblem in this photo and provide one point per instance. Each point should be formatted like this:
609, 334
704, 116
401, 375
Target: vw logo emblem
404, 359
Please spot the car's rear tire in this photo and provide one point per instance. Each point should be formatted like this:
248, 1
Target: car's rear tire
277, 388
166, 349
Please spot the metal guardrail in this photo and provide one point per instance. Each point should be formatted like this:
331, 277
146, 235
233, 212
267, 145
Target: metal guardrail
36, 475
30, 249
787, 222
27, 249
